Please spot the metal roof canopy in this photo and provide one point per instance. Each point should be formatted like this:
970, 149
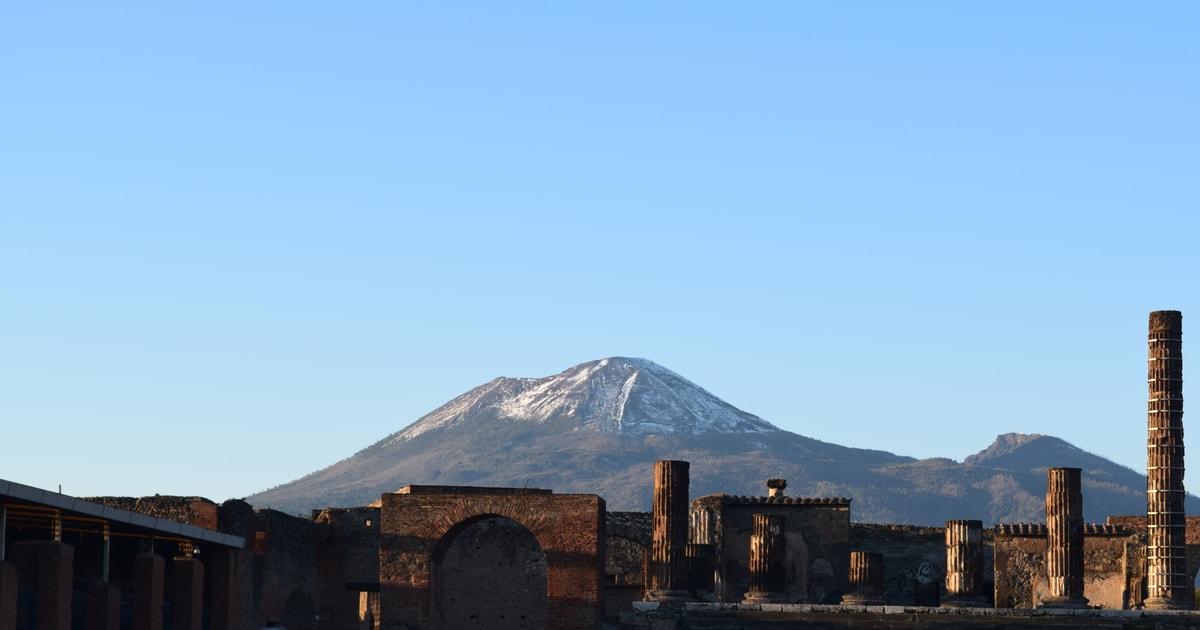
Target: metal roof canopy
15, 494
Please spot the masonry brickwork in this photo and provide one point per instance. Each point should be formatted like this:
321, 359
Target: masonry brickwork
419, 523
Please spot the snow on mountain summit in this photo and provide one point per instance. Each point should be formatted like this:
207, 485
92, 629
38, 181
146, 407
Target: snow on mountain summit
615, 395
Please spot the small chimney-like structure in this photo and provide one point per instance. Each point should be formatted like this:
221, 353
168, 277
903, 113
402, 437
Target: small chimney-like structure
775, 487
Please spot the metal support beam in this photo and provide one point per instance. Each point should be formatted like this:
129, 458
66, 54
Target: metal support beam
104, 551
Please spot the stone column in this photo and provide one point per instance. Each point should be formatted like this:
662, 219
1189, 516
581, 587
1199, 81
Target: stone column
226, 594
8, 596
149, 577
188, 597
103, 606
668, 559
866, 579
1167, 583
1064, 539
964, 564
55, 575
767, 572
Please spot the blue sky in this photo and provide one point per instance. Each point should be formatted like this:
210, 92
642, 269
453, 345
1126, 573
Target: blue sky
241, 241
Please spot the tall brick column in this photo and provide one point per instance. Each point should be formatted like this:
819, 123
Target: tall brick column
964, 564
1167, 583
767, 579
55, 574
866, 579
1064, 539
8, 595
103, 606
226, 596
188, 597
149, 578
668, 557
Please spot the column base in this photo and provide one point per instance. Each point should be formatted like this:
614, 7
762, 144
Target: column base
856, 599
764, 597
1071, 603
972, 601
673, 595
1166, 603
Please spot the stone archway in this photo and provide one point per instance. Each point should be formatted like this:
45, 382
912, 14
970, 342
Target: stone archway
488, 572
420, 525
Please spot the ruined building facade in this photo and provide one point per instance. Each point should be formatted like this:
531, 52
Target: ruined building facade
454, 557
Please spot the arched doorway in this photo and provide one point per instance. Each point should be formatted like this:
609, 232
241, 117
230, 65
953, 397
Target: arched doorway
488, 572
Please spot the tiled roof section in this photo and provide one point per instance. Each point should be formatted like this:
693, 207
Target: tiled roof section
1039, 529
786, 500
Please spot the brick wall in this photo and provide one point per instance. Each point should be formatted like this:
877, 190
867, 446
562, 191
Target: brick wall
417, 529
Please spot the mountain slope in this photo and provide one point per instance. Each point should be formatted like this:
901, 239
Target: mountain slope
599, 426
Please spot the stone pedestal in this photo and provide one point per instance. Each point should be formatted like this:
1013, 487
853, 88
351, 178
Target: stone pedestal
149, 576
1064, 539
964, 565
55, 574
767, 571
188, 595
1168, 585
226, 597
103, 606
866, 579
668, 554
8, 596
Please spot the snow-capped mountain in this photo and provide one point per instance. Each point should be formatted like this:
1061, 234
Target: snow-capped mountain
598, 427
617, 395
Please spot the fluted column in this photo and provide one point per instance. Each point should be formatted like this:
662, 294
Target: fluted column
1064, 539
767, 579
668, 557
964, 564
866, 579
1167, 583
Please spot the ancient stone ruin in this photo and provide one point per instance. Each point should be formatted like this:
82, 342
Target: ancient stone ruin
469, 557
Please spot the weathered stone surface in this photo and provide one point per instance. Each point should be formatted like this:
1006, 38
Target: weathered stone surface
1064, 539
767, 548
964, 564
668, 555
1167, 581
866, 579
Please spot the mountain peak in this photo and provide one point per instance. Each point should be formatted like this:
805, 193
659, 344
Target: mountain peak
621, 395
1024, 450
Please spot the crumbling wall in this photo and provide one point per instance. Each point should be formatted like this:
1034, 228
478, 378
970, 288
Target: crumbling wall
1020, 565
196, 511
914, 561
348, 561
628, 540
816, 544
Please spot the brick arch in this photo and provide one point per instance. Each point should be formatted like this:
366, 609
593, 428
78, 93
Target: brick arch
497, 552
421, 520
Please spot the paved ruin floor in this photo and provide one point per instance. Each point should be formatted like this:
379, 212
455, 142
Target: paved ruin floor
680, 616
